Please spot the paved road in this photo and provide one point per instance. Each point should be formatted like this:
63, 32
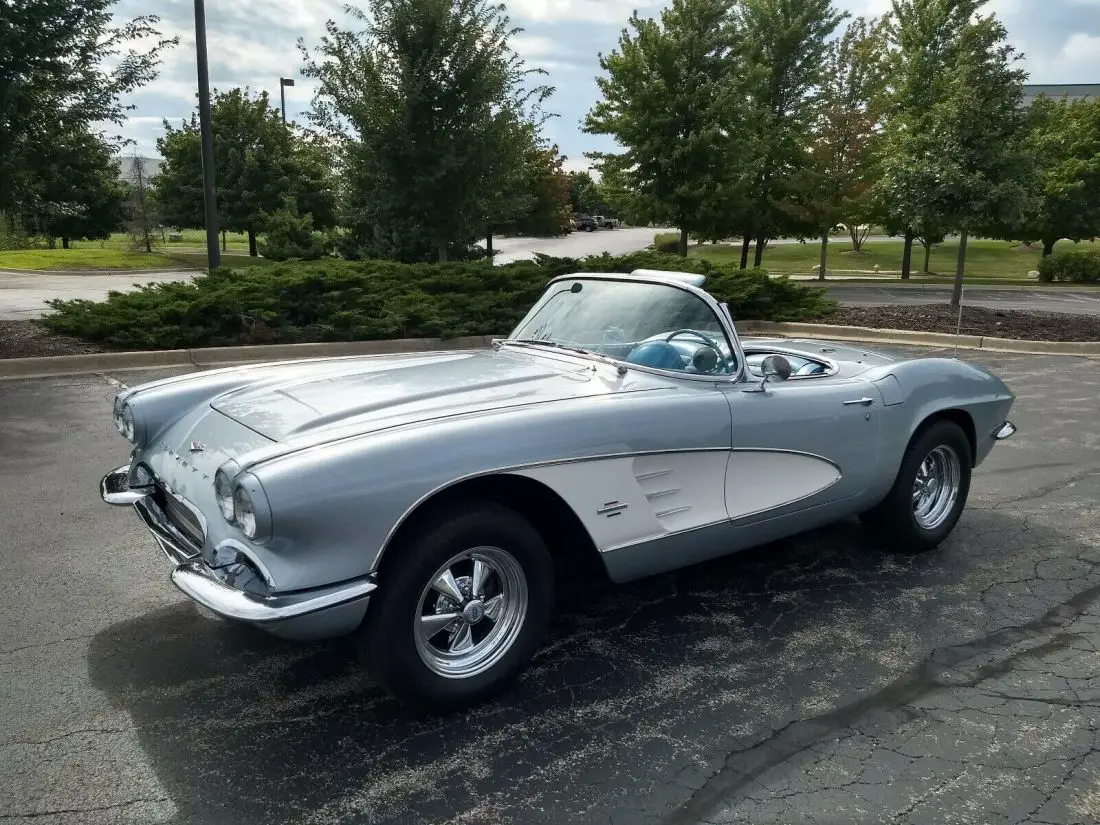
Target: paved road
576, 244
819, 680
1080, 302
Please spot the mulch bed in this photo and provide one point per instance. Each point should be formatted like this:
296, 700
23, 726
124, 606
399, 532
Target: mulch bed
998, 323
24, 339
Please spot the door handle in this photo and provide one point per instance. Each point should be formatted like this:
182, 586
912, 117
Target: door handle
860, 402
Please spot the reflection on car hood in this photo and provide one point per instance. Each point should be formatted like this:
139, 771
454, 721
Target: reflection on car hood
367, 394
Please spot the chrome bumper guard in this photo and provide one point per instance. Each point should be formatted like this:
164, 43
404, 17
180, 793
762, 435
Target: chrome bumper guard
195, 578
1006, 430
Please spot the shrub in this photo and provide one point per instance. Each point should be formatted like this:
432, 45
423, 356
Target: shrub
1077, 266
289, 235
668, 242
333, 300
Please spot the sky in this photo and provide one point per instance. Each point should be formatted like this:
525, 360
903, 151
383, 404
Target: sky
253, 43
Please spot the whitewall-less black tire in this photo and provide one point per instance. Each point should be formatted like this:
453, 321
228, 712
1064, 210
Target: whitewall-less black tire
461, 607
929, 493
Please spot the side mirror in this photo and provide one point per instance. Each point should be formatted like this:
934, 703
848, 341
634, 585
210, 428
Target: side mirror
774, 367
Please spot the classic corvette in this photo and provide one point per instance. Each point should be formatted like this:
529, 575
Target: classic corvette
420, 501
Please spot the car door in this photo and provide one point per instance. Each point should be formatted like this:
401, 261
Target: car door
800, 443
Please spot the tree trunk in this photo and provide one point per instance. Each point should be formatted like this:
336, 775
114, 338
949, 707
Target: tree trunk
907, 256
1048, 248
960, 270
682, 249
64, 243
442, 249
224, 241
745, 252
853, 233
489, 243
759, 257
824, 256
252, 243
927, 256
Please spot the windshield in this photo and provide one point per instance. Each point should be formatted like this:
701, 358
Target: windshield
653, 325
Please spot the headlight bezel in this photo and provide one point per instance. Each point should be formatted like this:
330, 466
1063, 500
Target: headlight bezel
223, 495
128, 420
251, 513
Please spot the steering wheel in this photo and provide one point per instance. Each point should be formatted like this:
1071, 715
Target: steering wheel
710, 342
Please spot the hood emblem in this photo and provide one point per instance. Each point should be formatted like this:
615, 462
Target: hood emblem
196, 447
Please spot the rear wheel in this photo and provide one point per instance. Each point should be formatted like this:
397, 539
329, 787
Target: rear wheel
930, 492
460, 609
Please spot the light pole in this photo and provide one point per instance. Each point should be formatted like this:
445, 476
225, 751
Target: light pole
209, 195
283, 83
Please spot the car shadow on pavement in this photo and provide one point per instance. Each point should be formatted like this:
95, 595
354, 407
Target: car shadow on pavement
638, 693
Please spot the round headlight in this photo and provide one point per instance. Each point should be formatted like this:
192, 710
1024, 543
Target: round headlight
223, 492
245, 512
124, 421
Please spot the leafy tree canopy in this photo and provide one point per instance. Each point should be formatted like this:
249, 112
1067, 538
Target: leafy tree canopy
258, 162
425, 102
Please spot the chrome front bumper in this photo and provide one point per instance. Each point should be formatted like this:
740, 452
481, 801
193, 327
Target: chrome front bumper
195, 578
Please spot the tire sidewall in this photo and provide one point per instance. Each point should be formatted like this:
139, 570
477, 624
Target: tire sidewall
386, 638
942, 433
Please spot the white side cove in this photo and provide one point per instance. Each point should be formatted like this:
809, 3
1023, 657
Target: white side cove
761, 480
629, 500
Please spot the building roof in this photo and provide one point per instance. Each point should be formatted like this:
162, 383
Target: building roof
1074, 91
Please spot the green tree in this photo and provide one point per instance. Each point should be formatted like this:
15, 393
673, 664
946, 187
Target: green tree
424, 102
1064, 140
585, 195
669, 97
953, 155
74, 190
786, 48
844, 141
258, 163
140, 206
63, 66
547, 188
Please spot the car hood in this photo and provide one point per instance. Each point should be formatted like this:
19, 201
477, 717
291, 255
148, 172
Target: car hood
368, 394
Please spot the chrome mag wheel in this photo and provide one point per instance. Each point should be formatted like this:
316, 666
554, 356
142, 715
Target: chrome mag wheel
471, 612
936, 487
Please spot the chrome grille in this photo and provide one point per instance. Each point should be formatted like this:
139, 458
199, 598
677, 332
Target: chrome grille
180, 516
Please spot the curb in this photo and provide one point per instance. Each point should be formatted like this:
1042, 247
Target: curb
57, 365
85, 272
922, 339
47, 366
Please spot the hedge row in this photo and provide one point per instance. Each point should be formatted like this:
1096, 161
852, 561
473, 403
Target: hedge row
1079, 266
371, 300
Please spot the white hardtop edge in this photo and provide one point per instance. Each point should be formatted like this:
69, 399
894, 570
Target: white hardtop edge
665, 276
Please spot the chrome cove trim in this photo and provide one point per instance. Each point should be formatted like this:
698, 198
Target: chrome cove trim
1006, 430
197, 580
556, 461
114, 488
513, 468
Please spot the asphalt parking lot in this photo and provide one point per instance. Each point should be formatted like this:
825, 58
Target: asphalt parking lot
819, 680
1049, 299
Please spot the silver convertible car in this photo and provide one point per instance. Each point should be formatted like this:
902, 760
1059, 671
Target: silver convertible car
420, 501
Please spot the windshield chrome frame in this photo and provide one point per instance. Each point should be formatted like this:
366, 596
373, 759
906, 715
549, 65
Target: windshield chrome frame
725, 322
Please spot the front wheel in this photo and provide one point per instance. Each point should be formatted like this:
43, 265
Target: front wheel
929, 493
460, 609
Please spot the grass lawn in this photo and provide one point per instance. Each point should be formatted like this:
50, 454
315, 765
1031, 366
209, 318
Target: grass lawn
105, 259
234, 259
984, 259
191, 239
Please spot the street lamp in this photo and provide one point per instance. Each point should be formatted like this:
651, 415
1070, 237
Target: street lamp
209, 196
283, 83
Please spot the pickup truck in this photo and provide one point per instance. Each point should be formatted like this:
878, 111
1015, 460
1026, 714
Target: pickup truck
605, 223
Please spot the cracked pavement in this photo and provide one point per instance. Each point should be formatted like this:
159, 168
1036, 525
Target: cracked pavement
817, 680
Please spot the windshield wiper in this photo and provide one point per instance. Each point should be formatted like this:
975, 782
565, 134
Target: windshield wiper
544, 342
